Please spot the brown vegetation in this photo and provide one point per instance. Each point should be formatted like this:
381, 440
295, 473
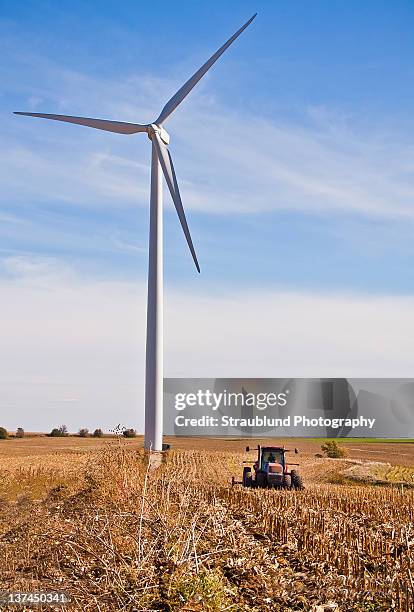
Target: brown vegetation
117, 536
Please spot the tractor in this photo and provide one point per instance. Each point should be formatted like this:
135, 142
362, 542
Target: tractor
271, 470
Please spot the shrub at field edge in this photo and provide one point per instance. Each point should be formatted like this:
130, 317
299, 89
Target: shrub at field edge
333, 450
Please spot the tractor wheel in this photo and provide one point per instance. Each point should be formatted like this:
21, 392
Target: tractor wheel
247, 477
297, 482
286, 482
261, 479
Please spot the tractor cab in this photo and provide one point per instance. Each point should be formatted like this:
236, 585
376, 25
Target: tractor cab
271, 455
270, 466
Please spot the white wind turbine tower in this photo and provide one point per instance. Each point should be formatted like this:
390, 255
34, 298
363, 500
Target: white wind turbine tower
160, 160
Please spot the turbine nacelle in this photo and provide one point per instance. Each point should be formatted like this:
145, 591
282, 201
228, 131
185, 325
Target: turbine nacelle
153, 129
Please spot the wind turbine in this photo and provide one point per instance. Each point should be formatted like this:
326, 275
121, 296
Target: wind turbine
160, 161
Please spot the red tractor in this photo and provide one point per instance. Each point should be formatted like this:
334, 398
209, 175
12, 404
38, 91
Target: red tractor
271, 470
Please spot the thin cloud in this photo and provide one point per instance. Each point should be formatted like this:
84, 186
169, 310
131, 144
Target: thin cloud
66, 336
226, 162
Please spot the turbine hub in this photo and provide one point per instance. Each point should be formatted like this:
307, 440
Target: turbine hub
162, 133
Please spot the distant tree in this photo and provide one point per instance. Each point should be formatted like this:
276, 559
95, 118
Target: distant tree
3, 434
59, 432
83, 432
333, 450
20, 432
129, 433
98, 433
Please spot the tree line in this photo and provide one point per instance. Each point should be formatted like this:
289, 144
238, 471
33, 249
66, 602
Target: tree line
62, 431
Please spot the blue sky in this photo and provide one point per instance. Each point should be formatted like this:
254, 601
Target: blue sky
338, 72
294, 155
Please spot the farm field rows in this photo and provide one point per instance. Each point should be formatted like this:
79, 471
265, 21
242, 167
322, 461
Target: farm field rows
89, 518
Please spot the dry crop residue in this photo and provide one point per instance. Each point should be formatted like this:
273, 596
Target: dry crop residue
117, 536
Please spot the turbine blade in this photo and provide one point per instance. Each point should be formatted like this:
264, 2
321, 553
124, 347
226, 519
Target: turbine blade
169, 173
100, 124
188, 86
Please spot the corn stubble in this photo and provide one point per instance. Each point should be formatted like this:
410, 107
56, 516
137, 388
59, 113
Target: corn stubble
118, 536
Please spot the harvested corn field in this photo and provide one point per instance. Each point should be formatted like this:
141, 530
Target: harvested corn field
115, 535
